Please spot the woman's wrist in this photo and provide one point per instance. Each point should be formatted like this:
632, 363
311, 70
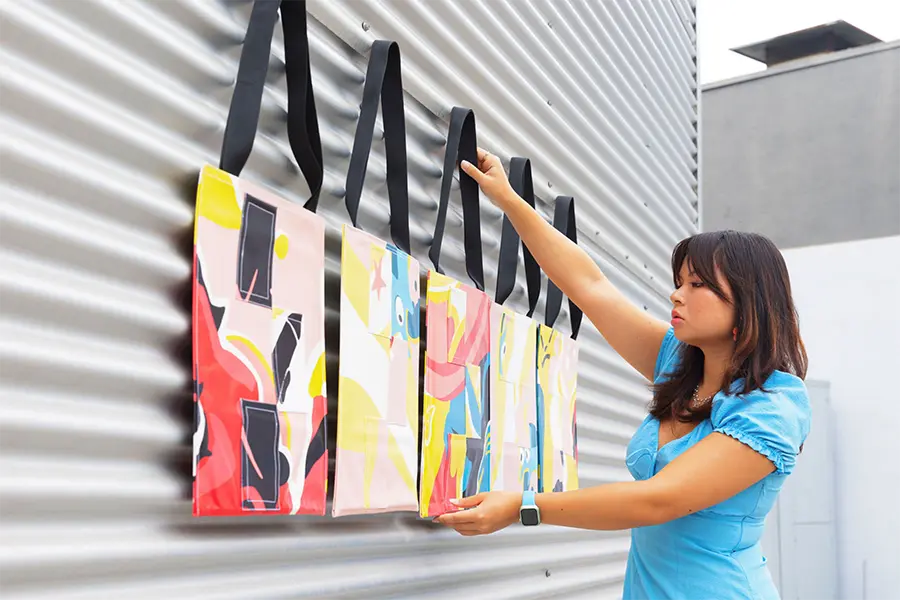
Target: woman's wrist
513, 504
507, 199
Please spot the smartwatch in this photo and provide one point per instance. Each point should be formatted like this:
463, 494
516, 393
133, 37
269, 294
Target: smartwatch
529, 513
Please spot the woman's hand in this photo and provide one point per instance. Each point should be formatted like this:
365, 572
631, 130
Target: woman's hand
484, 513
490, 177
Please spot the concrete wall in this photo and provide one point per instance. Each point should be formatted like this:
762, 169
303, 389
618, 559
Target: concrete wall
806, 154
847, 295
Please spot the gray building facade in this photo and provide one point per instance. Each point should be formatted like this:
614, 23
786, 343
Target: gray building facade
808, 151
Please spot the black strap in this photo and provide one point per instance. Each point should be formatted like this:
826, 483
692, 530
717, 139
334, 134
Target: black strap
382, 82
564, 221
243, 115
462, 144
522, 184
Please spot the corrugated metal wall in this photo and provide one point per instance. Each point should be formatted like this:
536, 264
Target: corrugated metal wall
109, 108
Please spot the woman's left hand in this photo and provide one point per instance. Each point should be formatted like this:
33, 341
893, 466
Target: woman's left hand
484, 513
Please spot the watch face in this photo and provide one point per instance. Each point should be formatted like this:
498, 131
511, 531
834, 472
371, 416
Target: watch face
529, 516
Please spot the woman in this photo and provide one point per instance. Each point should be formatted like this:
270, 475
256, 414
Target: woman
728, 418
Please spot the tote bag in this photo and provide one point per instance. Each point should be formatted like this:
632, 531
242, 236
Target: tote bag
378, 392
557, 376
258, 304
513, 405
455, 409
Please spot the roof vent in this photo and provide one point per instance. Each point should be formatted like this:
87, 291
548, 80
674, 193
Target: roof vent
822, 39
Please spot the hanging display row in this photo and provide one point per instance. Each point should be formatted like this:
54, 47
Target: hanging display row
498, 405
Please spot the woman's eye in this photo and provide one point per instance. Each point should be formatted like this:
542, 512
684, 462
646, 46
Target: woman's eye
697, 284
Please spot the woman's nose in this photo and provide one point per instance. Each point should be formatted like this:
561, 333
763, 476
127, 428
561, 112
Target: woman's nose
675, 296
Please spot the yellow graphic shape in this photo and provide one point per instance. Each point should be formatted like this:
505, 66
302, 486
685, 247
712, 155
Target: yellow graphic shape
317, 379
547, 349
434, 420
498, 429
239, 339
287, 425
396, 457
281, 246
355, 400
458, 461
371, 448
473, 376
216, 199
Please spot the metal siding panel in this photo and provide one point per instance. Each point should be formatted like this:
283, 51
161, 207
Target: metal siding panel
110, 108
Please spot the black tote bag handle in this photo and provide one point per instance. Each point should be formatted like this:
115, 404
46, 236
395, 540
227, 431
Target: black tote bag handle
383, 81
243, 114
462, 144
508, 263
564, 221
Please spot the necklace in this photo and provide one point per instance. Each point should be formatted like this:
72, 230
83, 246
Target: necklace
696, 400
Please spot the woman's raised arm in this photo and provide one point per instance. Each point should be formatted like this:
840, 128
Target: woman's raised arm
632, 333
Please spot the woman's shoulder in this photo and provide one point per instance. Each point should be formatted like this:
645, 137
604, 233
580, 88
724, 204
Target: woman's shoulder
774, 419
782, 388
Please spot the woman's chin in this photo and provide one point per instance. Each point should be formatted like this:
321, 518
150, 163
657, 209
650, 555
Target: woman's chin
684, 334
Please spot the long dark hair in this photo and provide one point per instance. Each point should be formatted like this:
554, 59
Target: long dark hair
768, 337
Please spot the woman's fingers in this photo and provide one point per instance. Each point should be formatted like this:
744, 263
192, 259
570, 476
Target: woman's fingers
486, 160
472, 171
455, 519
469, 501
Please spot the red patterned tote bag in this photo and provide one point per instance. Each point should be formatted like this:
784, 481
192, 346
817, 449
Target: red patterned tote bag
455, 414
258, 304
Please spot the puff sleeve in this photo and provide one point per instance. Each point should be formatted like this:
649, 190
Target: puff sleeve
774, 422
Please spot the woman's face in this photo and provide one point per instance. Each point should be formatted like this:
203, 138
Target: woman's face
699, 316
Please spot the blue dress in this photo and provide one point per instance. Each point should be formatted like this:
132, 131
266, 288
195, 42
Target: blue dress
715, 553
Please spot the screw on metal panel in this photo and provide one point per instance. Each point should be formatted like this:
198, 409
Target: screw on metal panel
549, 102
550, 24
550, 184
547, 573
366, 26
